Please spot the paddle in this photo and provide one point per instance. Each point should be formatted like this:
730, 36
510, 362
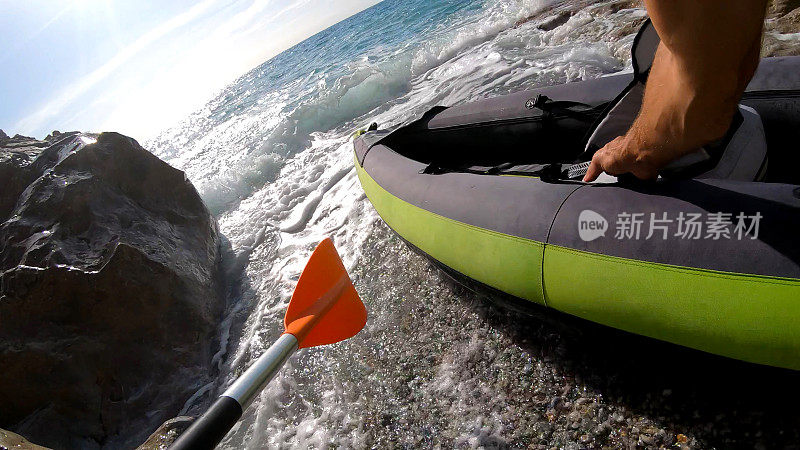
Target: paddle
324, 309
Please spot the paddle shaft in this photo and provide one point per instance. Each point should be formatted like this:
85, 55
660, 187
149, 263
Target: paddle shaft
209, 429
309, 307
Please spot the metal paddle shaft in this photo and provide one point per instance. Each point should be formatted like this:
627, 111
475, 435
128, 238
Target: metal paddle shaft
324, 309
209, 429
245, 389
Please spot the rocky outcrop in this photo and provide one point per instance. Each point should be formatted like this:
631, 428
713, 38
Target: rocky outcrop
109, 295
167, 433
56, 135
779, 8
551, 18
16, 156
13, 441
782, 21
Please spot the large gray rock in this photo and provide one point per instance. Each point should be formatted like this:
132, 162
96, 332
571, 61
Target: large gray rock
109, 291
17, 154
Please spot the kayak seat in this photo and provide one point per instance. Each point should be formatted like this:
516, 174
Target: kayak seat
741, 155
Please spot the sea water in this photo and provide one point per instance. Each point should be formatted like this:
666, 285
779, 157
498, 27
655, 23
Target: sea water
271, 156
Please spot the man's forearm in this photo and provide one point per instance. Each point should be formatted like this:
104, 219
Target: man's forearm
708, 53
701, 69
680, 112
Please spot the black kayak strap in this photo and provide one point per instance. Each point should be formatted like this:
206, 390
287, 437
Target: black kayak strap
437, 169
565, 108
548, 171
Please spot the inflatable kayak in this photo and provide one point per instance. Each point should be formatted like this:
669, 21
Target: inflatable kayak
707, 256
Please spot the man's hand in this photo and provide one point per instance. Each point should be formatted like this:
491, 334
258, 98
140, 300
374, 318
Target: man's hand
618, 157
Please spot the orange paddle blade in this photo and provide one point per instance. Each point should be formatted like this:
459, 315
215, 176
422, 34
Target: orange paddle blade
325, 307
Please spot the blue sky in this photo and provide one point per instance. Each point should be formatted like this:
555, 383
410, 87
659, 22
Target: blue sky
138, 66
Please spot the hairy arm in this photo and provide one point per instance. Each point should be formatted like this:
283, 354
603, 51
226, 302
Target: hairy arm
709, 51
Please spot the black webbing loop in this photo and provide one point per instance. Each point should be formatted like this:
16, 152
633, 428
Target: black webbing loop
549, 107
